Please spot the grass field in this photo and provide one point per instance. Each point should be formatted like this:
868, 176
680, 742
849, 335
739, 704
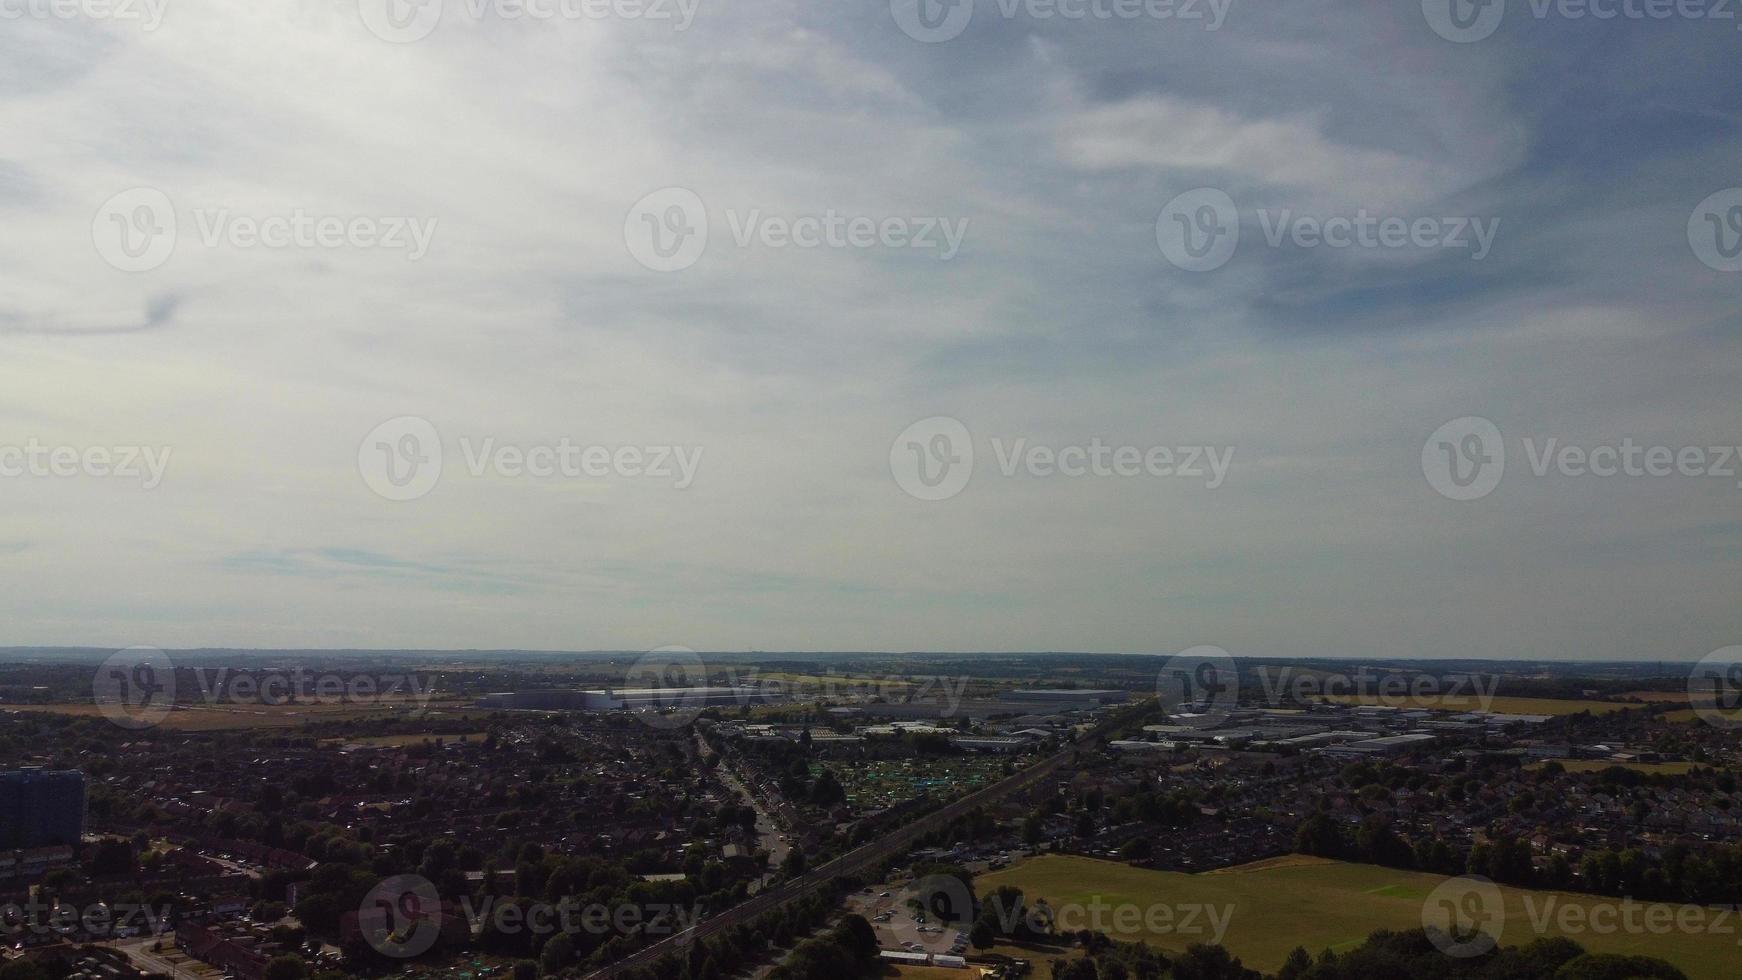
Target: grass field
1319, 904
1598, 765
217, 717
396, 741
1470, 702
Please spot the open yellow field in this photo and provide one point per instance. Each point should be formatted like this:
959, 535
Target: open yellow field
1271, 907
1470, 702
216, 717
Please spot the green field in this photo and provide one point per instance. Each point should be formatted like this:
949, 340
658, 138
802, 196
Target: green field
1311, 902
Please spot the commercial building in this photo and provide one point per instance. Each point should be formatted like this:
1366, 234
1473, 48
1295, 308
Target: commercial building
627, 699
41, 808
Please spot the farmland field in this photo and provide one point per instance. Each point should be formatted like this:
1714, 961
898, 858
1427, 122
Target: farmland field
1471, 702
1312, 902
215, 717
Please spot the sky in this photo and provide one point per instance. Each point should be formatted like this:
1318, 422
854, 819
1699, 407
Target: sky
1310, 329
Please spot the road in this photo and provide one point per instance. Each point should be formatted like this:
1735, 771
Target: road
895, 843
772, 840
139, 951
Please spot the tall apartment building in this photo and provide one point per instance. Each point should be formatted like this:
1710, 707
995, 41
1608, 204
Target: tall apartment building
41, 808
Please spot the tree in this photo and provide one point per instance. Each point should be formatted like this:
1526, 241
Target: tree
1609, 966
855, 935
286, 967
982, 935
558, 952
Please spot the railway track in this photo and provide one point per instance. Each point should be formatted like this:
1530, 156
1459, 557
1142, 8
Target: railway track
858, 859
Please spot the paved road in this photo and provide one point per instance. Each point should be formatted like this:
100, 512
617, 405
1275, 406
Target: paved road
896, 842
773, 841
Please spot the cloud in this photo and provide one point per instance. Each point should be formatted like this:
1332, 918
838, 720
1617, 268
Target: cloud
527, 142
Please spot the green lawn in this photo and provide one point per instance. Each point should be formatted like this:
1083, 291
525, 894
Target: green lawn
1298, 901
